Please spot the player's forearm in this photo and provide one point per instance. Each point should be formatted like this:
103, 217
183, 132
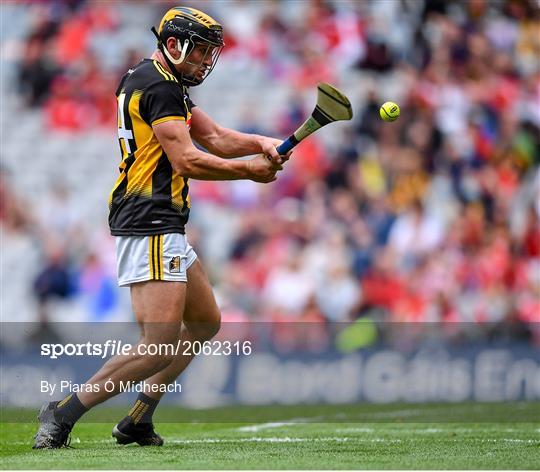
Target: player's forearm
230, 143
203, 166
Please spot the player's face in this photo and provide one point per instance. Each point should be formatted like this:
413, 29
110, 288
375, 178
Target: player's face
200, 60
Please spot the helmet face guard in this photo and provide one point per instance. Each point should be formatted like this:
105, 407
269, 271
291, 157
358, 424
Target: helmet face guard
213, 52
191, 29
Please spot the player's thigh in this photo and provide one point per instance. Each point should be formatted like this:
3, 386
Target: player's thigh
158, 306
202, 315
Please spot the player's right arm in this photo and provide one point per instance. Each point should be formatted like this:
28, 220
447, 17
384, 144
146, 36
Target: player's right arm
188, 161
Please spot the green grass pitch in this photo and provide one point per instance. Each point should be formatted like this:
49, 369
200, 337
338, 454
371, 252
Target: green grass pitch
413, 436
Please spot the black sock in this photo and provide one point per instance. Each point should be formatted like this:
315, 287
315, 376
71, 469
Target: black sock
143, 409
70, 409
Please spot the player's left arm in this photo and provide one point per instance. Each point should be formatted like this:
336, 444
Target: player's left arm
228, 143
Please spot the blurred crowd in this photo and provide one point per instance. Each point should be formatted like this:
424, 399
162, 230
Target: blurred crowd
435, 217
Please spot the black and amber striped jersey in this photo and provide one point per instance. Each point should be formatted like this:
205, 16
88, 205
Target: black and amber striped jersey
149, 197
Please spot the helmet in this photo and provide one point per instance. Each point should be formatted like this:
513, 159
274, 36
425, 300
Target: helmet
190, 27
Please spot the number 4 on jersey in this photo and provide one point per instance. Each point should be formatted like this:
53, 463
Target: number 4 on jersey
124, 134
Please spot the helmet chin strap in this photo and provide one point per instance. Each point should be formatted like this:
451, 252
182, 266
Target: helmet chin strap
171, 61
182, 50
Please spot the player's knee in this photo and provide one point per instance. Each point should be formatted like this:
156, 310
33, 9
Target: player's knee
158, 351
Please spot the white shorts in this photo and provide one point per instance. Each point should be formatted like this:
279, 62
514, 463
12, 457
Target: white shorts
159, 257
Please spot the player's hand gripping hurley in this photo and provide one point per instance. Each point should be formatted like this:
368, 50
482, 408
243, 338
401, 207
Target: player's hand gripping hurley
331, 106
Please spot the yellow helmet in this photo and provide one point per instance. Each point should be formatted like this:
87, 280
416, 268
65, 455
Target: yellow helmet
189, 27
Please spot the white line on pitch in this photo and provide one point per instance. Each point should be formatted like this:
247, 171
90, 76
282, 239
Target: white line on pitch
280, 424
355, 430
260, 427
285, 439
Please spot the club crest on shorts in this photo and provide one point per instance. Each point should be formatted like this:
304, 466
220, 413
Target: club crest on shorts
174, 265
